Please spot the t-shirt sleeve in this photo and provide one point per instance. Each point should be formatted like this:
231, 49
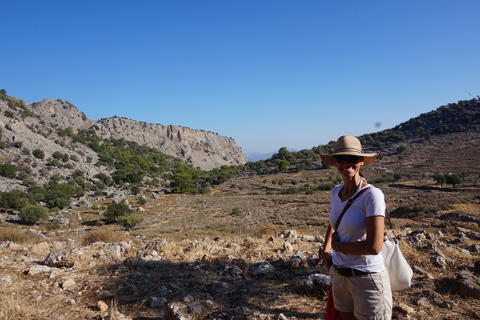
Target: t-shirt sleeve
375, 203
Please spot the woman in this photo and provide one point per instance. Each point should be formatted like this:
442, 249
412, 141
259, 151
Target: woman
360, 282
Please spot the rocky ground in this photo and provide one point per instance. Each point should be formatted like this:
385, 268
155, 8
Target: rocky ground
243, 252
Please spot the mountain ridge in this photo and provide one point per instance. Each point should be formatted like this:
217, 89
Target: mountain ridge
199, 148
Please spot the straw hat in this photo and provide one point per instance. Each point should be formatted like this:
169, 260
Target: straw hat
348, 145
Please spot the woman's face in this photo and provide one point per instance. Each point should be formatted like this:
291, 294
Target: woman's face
348, 166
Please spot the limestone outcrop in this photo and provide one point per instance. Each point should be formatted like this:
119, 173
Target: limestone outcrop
200, 148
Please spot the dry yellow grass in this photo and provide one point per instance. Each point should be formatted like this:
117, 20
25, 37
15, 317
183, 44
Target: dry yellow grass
102, 235
18, 236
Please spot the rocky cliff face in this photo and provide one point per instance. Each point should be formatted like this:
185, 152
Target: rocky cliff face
203, 149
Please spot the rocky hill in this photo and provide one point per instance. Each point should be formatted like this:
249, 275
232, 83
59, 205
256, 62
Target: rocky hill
36, 125
445, 140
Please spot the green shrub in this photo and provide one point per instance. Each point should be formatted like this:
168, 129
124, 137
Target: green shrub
128, 222
204, 190
105, 179
52, 226
18, 144
291, 190
38, 153
116, 210
87, 186
142, 201
325, 186
28, 182
55, 163
182, 183
59, 194
8, 170
36, 192
22, 175
453, 179
15, 200
78, 173
33, 213
57, 155
236, 211
135, 190
383, 179
9, 114
61, 156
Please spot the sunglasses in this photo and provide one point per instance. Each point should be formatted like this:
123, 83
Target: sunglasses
349, 159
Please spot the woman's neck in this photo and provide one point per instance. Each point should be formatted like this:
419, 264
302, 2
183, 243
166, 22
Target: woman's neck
350, 187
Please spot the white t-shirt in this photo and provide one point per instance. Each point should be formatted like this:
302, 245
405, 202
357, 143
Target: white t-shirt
353, 226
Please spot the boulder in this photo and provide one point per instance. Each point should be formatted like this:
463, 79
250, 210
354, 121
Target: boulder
58, 258
260, 269
317, 282
188, 311
467, 285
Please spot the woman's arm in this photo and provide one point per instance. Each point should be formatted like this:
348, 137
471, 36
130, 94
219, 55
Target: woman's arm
371, 246
325, 251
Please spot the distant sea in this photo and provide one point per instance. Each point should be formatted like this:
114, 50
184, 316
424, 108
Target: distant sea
257, 156
252, 157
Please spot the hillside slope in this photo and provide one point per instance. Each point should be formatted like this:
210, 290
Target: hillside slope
204, 149
445, 140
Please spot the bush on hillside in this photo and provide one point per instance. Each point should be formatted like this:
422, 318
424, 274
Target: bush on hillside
38, 153
15, 200
291, 190
59, 194
116, 210
18, 144
128, 222
33, 213
9, 114
453, 179
8, 170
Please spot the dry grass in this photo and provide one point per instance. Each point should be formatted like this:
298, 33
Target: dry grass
7, 233
102, 235
15, 307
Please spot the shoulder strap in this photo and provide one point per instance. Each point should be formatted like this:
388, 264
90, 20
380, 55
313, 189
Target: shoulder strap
390, 224
388, 216
349, 203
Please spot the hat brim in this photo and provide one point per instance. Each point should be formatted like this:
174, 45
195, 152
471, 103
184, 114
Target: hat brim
368, 158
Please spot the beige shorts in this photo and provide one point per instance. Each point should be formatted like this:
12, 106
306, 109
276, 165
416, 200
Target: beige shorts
368, 296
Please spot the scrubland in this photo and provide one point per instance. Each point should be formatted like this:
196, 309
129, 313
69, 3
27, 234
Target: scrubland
237, 225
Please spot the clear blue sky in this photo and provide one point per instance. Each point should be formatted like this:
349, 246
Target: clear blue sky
270, 74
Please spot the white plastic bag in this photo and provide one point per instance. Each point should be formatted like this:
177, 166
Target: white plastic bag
397, 266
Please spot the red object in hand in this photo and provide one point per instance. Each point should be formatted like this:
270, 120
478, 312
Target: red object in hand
331, 313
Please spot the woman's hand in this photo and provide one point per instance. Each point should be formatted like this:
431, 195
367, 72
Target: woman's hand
327, 259
335, 241
325, 251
